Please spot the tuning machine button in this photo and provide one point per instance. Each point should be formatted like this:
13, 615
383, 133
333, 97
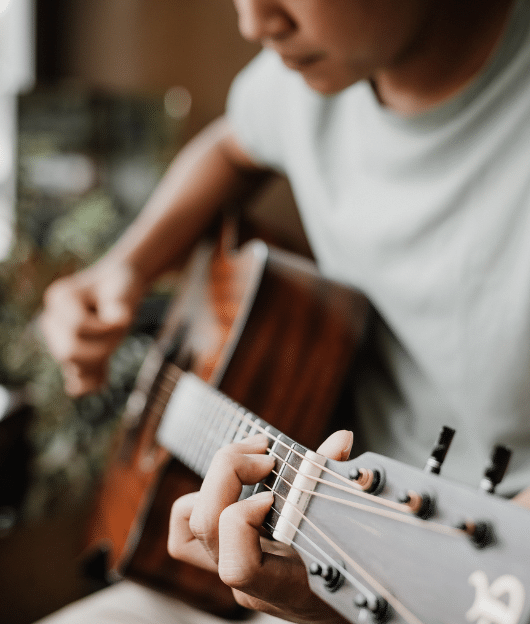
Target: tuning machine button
422, 505
435, 461
370, 481
496, 470
481, 533
331, 576
376, 606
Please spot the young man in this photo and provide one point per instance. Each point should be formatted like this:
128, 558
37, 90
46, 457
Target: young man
403, 129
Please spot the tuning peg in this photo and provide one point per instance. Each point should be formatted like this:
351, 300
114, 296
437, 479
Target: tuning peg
481, 532
494, 473
377, 605
332, 578
435, 461
371, 481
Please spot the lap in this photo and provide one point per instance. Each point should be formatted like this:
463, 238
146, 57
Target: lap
127, 602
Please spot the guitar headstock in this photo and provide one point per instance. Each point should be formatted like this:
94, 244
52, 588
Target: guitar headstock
387, 542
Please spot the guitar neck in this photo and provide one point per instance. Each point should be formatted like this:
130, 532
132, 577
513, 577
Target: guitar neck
371, 559
199, 420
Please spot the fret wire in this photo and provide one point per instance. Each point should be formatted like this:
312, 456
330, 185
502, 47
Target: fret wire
256, 423
193, 422
223, 429
244, 426
188, 418
209, 408
212, 436
351, 486
235, 423
405, 516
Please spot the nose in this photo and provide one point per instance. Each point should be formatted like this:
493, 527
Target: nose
260, 20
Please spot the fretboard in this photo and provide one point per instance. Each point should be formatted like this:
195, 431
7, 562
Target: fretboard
199, 420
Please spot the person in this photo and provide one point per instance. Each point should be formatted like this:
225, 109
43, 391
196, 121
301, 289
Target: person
402, 128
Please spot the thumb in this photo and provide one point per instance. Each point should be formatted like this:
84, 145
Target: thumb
118, 296
337, 446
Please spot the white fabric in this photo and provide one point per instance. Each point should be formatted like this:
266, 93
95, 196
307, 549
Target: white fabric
430, 216
127, 602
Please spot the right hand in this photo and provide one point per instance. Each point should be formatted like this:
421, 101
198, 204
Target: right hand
85, 317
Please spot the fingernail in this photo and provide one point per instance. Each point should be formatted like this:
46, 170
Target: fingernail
347, 448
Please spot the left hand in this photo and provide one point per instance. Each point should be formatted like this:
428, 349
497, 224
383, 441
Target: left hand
214, 530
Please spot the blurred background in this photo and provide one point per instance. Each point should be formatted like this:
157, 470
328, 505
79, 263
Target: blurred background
96, 97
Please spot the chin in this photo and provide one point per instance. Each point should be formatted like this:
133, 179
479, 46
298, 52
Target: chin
331, 83
327, 86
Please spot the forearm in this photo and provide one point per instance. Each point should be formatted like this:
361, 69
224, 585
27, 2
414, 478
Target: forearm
207, 174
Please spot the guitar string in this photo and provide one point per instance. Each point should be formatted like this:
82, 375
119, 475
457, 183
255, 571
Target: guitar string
327, 558
396, 515
239, 413
362, 572
405, 512
252, 423
418, 522
380, 589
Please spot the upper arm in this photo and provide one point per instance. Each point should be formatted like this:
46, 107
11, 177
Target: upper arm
232, 148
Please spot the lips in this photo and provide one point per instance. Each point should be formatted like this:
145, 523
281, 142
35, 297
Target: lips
300, 62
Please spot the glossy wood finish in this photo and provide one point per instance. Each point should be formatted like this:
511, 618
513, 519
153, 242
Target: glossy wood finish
266, 329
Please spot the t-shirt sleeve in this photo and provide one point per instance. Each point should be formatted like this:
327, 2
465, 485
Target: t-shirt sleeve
254, 108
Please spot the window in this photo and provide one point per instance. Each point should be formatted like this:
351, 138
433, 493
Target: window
16, 75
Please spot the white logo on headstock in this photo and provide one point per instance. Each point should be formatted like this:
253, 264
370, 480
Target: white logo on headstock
501, 602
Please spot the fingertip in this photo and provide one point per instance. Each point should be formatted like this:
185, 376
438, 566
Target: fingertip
258, 441
262, 497
338, 445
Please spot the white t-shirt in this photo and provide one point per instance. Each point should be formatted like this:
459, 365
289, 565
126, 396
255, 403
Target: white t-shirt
430, 217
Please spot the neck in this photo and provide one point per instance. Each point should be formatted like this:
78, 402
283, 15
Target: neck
456, 41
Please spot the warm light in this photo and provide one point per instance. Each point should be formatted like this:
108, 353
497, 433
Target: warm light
4, 4
177, 102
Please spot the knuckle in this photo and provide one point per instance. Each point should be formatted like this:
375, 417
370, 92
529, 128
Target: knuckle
53, 291
173, 546
224, 459
177, 506
230, 517
199, 529
56, 293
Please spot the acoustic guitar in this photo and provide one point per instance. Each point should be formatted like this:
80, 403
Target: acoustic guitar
381, 541
263, 327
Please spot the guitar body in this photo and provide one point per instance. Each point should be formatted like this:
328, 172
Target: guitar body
268, 331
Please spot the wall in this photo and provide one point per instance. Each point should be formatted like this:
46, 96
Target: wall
151, 45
